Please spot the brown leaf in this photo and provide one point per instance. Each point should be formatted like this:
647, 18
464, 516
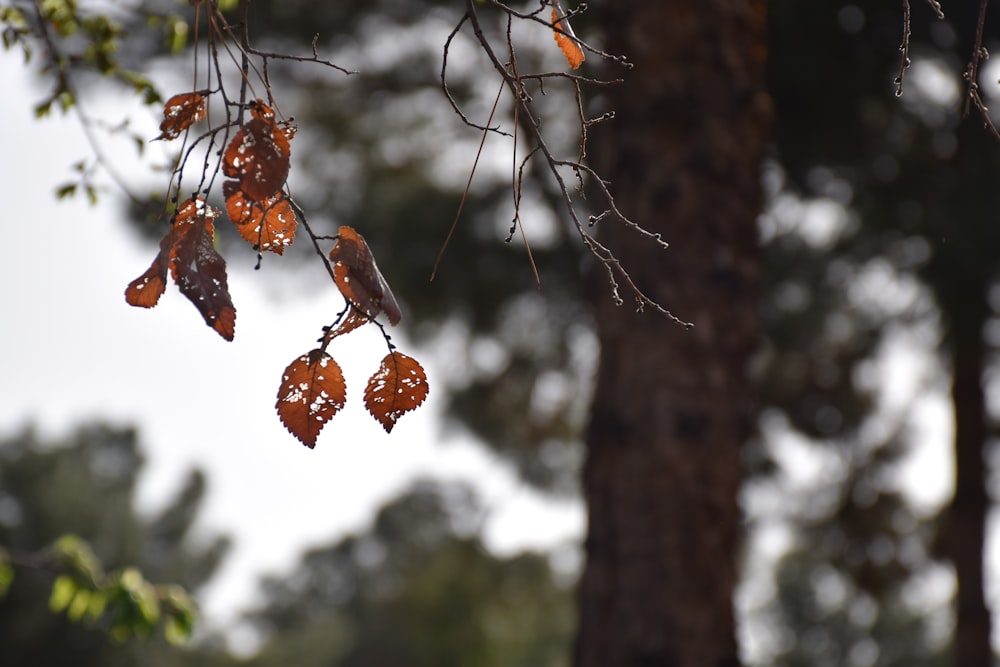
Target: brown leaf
399, 385
199, 270
258, 156
358, 277
312, 391
188, 251
574, 54
181, 112
268, 225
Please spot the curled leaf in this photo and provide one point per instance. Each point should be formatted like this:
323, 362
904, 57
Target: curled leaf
312, 391
181, 112
566, 39
358, 277
199, 270
398, 386
188, 251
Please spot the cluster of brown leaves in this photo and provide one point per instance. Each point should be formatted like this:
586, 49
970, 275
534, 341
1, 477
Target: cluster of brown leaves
256, 163
257, 159
313, 388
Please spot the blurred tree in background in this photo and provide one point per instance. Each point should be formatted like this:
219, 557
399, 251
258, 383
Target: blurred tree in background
417, 589
85, 485
908, 258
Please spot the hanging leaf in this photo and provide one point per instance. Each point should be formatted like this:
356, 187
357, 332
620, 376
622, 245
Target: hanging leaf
146, 290
312, 391
399, 385
188, 251
358, 277
567, 38
181, 112
355, 318
198, 269
258, 156
268, 225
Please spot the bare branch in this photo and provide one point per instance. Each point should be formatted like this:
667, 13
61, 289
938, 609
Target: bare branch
514, 82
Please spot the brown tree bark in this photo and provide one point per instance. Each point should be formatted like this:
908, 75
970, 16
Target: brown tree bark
966, 529
672, 406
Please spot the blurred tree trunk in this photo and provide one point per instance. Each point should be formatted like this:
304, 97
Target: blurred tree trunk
961, 273
965, 535
672, 406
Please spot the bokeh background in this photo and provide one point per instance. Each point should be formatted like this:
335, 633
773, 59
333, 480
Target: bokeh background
154, 439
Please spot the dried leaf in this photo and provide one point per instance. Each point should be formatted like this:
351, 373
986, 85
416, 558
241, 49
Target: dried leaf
188, 251
181, 112
359, 278
312, 391
258, 156
146, 290
355, 318
268, 225
199, 270
567, 44
399, 385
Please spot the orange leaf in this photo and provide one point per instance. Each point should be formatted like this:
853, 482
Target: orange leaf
398, 386
267, 225
146, 290
358, 277
355, 318
181, 112
312, 391
258, 156
567, 42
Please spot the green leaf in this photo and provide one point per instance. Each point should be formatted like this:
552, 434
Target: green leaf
63, 589
177, 34
79, 605
66, 101
74, 557
14, 16
98, 603
66, 190
178, 629
6, 574
140, 144
43, 109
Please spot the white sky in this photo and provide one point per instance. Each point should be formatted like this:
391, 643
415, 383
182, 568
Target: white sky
75, 351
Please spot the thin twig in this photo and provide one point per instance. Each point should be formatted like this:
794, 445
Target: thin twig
465, 193
602, 253
904, 48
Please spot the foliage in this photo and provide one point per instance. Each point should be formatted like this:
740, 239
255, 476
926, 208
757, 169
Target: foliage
78, 561
418, 583
124, 602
